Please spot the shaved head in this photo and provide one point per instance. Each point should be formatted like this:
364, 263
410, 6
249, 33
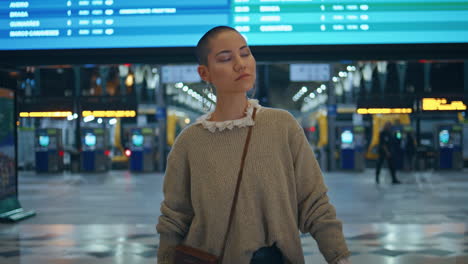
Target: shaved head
203, 46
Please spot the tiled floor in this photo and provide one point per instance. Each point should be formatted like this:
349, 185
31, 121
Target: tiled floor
110, 218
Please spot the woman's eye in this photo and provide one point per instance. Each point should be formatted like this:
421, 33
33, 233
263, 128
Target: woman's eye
245, 54
223, 59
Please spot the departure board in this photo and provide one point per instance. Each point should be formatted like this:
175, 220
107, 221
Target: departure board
82, 24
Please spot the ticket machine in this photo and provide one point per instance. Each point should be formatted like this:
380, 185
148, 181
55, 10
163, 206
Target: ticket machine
95, 150
352, 148
142, 147
449, 143
49, 150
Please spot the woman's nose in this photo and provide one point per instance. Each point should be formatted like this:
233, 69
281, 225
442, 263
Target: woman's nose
239, 64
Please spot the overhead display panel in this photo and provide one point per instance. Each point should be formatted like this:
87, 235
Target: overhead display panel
77, 24
312, 22
90, 24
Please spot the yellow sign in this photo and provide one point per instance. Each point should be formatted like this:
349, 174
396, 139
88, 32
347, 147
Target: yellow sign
45, 114
365, 111
110, 113
440, 104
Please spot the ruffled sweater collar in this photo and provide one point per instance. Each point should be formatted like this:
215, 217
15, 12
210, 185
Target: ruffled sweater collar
214, 126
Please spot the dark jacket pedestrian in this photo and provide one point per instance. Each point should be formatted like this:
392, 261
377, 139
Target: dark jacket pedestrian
386, 145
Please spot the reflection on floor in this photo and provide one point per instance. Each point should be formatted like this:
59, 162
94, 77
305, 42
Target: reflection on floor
373, 243
110, 218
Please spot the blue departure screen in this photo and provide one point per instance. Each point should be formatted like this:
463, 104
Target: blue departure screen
78, 24
137, 140
347, 137
444, 136
90, 140
44, 141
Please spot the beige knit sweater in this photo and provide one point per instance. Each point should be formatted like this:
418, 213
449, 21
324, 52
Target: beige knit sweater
282, 192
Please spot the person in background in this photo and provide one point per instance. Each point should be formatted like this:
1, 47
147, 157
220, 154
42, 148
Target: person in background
282, 190
410, 150
386, 145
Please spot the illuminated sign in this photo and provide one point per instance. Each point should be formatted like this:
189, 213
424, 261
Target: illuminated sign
364, 111
45, 114
440, 104
345, 110
110, 113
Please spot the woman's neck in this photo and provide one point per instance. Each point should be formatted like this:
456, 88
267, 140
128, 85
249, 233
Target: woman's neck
229, 107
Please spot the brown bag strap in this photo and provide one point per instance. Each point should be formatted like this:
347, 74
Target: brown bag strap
239, 178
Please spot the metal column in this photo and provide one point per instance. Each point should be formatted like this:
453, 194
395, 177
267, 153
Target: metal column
262, 84
161, 116
331, 117
76, 105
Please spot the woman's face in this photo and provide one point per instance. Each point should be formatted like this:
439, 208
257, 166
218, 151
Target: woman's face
231, 66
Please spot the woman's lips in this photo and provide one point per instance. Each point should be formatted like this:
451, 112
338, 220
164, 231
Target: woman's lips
242, 76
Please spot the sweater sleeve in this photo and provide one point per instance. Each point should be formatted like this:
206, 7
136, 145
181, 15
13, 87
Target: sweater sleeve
176, 209
316, 215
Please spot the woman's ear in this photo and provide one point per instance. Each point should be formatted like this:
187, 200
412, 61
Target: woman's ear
204, 73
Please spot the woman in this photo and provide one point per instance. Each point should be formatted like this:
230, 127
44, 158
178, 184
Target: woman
282, 189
